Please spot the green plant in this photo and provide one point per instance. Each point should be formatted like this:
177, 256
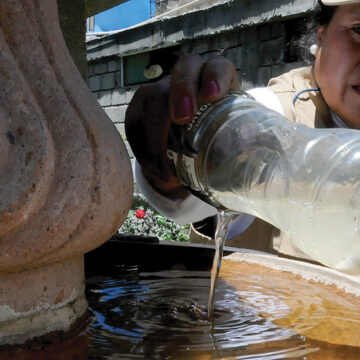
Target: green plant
145, 220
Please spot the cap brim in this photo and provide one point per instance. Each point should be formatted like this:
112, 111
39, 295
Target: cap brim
339, 2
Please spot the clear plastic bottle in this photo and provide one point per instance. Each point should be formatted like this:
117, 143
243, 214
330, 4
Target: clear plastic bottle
240, 156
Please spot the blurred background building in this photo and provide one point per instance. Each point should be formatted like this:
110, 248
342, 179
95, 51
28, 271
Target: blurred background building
259, 37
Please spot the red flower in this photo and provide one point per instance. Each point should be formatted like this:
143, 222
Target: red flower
140, 214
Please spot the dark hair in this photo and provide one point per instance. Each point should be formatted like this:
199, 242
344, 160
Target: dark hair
321, 16
323, 13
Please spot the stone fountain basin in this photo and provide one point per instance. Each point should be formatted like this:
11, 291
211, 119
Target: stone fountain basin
336, 288
328, 298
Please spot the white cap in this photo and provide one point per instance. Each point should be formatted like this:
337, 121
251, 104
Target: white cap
339, 2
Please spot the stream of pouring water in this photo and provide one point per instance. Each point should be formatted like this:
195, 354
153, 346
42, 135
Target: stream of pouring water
222, 227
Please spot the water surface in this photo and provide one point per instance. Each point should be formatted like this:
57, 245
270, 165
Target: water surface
163, 315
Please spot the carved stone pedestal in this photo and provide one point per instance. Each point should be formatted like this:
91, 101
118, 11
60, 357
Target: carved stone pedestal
65, 175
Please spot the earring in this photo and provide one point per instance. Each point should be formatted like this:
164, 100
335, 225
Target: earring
314, 49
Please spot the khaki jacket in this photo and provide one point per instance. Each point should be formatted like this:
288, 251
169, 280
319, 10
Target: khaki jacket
309, 109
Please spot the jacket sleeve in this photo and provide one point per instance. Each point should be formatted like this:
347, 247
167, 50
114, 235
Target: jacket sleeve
183, 212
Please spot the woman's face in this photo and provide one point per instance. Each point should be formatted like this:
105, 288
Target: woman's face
337, 64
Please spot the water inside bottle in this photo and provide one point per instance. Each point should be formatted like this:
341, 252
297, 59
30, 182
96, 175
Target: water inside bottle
307, 185
310, 227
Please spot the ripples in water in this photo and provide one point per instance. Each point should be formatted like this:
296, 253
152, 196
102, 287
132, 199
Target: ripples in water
163, 315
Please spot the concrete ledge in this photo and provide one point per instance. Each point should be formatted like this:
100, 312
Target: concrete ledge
317, 273
42, 300
47, 321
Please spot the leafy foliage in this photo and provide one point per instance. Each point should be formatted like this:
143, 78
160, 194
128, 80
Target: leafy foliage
152, 223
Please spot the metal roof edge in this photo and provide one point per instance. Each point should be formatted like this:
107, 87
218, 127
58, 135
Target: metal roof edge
170, 31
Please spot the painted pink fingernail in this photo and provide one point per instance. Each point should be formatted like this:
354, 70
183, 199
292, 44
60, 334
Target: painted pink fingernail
183, 108
211, 88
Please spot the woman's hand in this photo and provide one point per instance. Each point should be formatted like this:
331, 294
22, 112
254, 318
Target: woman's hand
173, 99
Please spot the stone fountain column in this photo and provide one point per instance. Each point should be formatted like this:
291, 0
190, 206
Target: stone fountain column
65, 176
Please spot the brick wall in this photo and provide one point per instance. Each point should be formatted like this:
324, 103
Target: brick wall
106, 83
